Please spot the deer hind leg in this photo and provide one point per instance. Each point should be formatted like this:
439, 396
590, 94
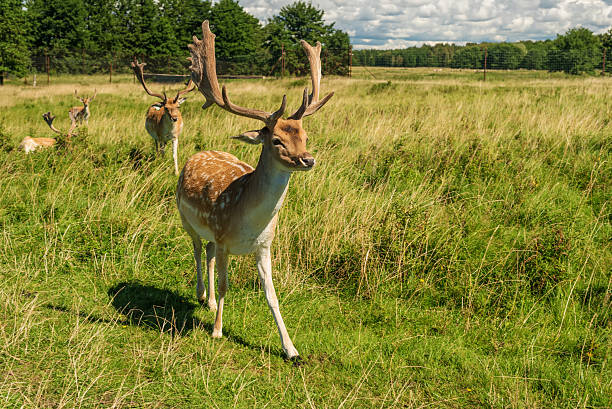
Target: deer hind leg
264, 267
197, 255
210, 267
175, 154
221, 256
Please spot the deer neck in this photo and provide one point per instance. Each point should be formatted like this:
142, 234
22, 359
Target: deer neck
266, 189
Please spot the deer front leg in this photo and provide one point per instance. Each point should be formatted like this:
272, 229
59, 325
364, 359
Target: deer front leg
210, 266
197, 255
175, 154
264, 266
221, 256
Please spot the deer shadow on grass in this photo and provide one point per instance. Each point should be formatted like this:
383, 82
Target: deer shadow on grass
153, 308
163, 310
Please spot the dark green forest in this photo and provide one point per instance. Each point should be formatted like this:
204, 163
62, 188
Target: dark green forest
575, 52
84, 37
81, 36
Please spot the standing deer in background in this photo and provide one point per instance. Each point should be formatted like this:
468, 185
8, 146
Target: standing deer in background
164, 120
81, 114
227, 202
29, 144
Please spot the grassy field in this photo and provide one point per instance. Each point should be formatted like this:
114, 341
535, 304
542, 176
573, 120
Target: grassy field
452, 248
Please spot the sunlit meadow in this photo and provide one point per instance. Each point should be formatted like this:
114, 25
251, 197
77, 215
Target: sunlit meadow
451, 248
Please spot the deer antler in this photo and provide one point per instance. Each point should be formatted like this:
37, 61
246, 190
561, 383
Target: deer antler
190, 87
94, 95
49, 117
311, 103
204, 75
137, 67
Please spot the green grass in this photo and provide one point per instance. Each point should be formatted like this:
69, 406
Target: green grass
452, 248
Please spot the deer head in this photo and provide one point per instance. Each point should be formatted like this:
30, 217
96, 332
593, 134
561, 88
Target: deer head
283, 139
170, 105
85, 100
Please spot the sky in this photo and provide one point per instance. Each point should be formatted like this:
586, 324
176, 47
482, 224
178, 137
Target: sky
404, 23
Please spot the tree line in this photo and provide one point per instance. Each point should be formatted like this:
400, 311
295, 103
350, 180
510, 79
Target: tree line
575, 52
82, 36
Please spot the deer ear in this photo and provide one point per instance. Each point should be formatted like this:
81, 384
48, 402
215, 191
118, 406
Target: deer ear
181, 100
252, 137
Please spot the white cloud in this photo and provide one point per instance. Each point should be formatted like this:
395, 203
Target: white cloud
404, 23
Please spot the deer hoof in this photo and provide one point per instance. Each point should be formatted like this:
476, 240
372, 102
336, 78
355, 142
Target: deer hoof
297, 361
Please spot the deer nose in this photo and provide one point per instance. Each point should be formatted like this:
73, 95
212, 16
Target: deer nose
174, 118
307, 162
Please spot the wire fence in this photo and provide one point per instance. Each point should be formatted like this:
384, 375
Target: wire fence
287, 62
292, 61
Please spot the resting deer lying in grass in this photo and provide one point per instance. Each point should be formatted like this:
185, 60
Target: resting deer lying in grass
80, 114
227, 202
29, 144
164, 121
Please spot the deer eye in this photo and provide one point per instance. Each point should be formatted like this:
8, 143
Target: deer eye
277, 142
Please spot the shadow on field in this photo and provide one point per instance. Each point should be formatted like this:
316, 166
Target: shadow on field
165, 311
137, 158
150, 307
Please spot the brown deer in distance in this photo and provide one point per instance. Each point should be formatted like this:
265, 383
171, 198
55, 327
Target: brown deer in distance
80, 114
164, 121
29, 144
228, 203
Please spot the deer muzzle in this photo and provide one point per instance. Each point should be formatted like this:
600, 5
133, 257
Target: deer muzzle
306, 161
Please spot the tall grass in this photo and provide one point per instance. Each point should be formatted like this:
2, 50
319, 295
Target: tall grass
451, 248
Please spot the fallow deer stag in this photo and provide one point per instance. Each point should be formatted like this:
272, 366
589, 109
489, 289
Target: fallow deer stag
227, 202
164, 121
80, 114
29, 144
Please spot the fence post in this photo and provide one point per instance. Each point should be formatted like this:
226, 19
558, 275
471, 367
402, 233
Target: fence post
110, 78
485, 64
350, 60
282, 60
603, 71
47, 63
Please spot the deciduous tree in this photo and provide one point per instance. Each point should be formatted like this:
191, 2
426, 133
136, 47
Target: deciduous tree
14, 53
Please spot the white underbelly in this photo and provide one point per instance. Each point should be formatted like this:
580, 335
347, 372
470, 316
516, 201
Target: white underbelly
193, 216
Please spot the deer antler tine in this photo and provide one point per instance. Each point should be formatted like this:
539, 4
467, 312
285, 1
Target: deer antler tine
190, 87
314, 107
278, 113
314, 59
204, 75
138, 71
300, 112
